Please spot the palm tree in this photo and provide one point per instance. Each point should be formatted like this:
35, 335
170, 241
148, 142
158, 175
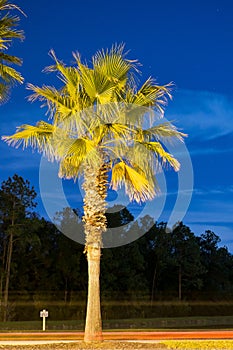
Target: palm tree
98, 132
8, 31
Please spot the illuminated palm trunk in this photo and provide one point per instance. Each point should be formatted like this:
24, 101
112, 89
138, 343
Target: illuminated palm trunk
93, 327
95, 224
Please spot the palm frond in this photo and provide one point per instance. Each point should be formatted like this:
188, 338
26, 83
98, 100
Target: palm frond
5, 5
111, 131
75, 153
160, 152
68, 75
88, 79
3, 45
150, 95
4, 93
59, 106
8, 31
136, 184
96, 85
165, 131
8, 23
135, 115
39, 137
112, 64
10, 59
74, 149
67, 170
10, 75
143, 157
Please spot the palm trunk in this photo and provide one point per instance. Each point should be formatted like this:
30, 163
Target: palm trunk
95, 224
93, 329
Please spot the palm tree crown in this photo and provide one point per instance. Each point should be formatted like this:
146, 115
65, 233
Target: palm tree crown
8, 31
99, 114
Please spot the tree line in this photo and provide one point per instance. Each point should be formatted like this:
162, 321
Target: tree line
38, 262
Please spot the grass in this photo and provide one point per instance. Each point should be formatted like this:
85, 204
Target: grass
173, 323
199, 344
163, 345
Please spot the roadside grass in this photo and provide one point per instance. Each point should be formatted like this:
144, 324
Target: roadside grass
115, 345
143, 324
119, 345
199, 344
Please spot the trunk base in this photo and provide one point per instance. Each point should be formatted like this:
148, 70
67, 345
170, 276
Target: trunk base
93, 338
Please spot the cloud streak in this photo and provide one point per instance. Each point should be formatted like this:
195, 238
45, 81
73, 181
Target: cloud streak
202, 113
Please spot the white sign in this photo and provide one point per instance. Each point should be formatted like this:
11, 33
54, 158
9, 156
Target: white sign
44, 313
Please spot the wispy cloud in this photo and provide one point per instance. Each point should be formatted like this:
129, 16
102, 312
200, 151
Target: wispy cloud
17, 159
209, 216
202, 113
219, 190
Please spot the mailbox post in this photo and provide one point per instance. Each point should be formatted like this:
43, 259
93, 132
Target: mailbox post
44, 313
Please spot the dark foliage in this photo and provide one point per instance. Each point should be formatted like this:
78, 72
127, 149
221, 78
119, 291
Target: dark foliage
49, 269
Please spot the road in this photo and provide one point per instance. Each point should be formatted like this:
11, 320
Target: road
118, 335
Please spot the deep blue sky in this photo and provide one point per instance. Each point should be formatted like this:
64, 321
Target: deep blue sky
187, 42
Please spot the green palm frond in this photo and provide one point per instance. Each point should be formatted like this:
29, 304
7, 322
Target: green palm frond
9, 24
67, 170
10, 75
59, 106
74, 149
160, 153
68, 75
4, 93
74, 154
137, 185
164, 131
10, 59
39, 137
111, 131
150, 95
138, 154
8, 31
112, 64
118, 70
97, 86
3, 45
88, 79
5, 5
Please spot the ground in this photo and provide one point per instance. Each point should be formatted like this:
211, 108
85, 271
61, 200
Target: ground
107, 345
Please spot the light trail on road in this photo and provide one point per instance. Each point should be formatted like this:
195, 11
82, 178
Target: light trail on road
119, 335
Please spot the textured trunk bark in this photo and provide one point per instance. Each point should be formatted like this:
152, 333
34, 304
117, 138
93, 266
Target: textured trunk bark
93, 328
94, 185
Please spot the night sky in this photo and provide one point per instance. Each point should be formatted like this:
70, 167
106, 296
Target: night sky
187, 42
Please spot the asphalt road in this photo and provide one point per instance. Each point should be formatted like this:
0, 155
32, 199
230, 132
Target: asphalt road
75, 336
